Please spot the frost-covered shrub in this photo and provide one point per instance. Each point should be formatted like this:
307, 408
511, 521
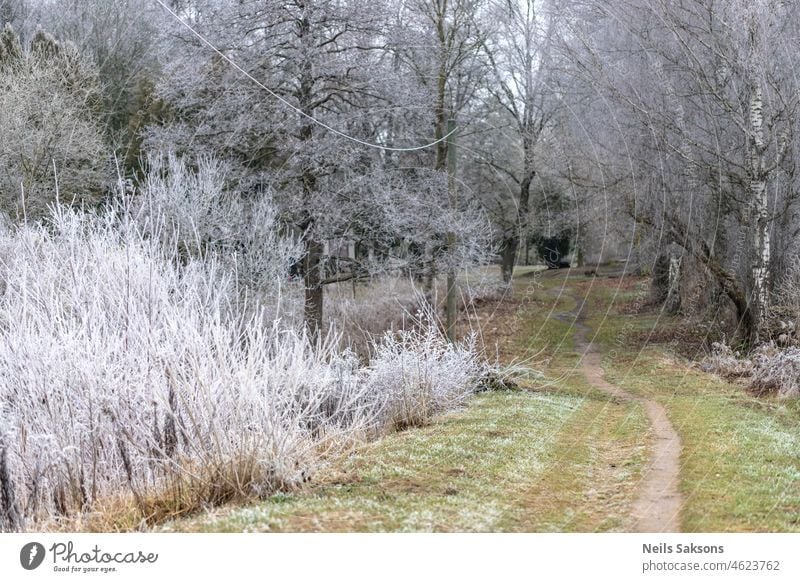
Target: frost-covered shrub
724, 362
125, 370
784, 322
777, 371
194, 210
421, 375
767, 369
52, 139
129, 372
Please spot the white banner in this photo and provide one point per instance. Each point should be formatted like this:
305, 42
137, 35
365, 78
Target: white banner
407, 557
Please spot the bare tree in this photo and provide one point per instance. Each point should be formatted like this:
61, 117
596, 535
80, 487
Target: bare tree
312, 56
705, 108
524, 87
52, 141
122, 39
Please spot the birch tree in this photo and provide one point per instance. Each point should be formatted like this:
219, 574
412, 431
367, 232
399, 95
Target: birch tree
705, 103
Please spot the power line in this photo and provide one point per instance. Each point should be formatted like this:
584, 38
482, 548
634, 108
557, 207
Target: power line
285, 102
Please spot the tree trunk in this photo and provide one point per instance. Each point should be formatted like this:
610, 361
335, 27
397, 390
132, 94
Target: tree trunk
672, 303
452, 192
758, 197
312, 278
450, 308
313, 260
726, 280
510, 246
508, 254
10, 518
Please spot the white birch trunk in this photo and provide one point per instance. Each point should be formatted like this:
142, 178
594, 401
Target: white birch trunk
758, 197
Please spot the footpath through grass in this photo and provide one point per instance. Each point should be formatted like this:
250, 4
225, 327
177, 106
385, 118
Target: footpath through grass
740, 465
558, 455
555, 455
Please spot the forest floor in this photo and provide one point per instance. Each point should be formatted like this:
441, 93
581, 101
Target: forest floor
610, 430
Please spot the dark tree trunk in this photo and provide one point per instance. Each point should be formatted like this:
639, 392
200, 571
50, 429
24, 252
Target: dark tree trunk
510, 246
10, 519
725, 279
313, 260
508, 255
312, 277
747, 324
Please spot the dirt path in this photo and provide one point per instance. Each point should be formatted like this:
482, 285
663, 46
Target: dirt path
658, 501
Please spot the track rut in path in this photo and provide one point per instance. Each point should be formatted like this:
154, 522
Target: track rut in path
658, 501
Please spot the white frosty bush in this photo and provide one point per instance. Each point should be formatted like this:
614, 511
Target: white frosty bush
194, 210
129, 372
49, 127
777, 370
768, 369
421, 375
724, 362
122, 367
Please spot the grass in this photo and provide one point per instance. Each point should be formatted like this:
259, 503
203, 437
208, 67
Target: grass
740, 463
554, 456
741, 454
558, 455
513, 461
466, 472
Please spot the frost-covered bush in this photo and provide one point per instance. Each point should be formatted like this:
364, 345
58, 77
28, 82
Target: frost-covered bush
194, 210
123, 369
130, 373
777, 371
767, 369
421, 375
724, 362
52, 139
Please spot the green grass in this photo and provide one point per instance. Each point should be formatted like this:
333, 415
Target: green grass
558, 455
554, 456
741, 454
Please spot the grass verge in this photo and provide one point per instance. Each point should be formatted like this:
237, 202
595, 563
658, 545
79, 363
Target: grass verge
554, 456
740, 464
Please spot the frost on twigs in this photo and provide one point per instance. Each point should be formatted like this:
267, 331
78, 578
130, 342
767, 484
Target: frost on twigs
768, 369
773, 367
777, 371
194, 212
52, 142
131, 372
360, 314
422, 375
724, 362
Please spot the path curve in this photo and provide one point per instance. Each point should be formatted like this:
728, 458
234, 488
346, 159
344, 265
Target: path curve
658, 501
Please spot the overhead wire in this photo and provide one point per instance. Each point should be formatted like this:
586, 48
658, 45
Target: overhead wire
285, 102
